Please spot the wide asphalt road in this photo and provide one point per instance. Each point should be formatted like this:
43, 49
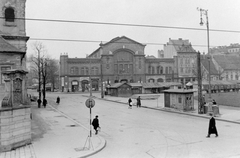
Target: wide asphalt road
147, 133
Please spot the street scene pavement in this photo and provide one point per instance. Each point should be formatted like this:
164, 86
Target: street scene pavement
62, 130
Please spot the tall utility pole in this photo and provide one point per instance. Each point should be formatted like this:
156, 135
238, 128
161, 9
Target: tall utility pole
205, 12
199, 77
102, 93
90, 83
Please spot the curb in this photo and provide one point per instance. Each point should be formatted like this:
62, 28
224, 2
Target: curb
103, 145
178, 112
103, 142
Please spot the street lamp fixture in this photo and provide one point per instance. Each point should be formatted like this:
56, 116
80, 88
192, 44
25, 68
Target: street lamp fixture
205, 12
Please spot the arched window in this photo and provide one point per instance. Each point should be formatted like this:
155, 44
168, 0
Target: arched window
161, 70
166, 70
160, 80
158, 70
86, 71
151, 80
9, 15
153, 70
170, 70
76, 71
149, 70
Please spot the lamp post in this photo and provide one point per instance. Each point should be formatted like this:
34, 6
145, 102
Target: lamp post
205, 12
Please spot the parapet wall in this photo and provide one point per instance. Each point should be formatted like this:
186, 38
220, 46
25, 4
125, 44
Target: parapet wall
15, 127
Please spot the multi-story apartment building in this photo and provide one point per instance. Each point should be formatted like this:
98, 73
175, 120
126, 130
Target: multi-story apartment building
227, 66
174, 46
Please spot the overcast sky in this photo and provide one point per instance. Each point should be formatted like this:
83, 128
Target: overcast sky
223, 15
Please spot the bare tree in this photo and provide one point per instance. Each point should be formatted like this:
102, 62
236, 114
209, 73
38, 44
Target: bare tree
53, 71
36, 63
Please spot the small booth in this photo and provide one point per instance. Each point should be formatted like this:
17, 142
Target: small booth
181, 99
120, 90
136, 88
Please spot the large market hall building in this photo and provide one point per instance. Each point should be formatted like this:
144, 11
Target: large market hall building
119, 60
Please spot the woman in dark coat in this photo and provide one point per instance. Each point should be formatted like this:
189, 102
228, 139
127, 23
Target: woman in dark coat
95, 124
44, 102
212, 127
138, 101
130, 103
58, 100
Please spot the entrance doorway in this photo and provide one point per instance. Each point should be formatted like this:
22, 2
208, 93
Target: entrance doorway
75, 86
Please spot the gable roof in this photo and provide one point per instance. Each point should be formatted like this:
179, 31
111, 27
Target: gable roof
228, 62
182, 45
116, 85
7, 47
118, 38
205, 64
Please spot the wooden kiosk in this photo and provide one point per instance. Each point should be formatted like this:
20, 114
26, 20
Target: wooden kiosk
181, 99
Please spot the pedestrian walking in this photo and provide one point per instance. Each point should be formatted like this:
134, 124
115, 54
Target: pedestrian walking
44, 102
95, 124
39, 101
58, 100
214, 102
138, 101
212, 127
129, 103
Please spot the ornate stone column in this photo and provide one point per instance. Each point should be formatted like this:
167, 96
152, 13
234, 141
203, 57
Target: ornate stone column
15, 121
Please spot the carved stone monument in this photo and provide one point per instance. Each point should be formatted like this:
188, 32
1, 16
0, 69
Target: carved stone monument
15, 121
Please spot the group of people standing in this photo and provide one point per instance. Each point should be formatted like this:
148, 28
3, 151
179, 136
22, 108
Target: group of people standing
130, 102
44, 102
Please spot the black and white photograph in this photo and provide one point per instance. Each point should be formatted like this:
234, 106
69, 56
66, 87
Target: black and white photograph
119, 79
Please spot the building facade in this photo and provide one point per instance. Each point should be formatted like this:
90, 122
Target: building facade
13, 37
176, 45
119, 60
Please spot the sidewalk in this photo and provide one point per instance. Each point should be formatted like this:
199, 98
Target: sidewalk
63, 137
56, 128
156, 102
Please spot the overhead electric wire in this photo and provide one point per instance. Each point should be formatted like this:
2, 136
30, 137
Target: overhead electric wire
94, 41
124, 24
115, 24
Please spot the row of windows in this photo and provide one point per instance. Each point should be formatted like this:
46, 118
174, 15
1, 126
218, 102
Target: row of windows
186, 70
123, 68
187, 60
234, 50
159, 70
231, 77
84, 71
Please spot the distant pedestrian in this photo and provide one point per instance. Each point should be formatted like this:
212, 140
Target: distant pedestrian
58, 100
130, 103
214, 102
39, 101
139, 102
203, 100
212, 127
44, 102
95, 124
